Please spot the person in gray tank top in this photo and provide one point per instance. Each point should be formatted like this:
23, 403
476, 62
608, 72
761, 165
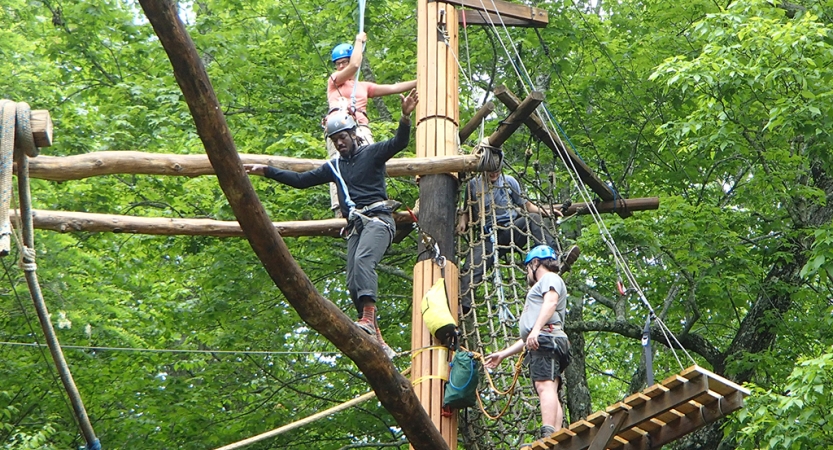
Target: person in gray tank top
541, 329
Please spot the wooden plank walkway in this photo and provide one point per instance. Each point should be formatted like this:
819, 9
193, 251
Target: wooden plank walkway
656, 416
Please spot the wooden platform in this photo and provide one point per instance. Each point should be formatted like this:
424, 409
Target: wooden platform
658, 415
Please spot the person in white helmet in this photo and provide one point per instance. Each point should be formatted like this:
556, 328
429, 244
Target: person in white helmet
359, 173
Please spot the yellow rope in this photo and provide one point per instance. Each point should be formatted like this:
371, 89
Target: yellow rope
428, 377
416, 352
510, 391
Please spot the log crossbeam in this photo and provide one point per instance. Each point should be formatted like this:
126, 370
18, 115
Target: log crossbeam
68, 222
517, 118
475, 120
528, 14
537, 128
77, 167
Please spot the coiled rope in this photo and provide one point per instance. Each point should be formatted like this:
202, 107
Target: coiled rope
510, 391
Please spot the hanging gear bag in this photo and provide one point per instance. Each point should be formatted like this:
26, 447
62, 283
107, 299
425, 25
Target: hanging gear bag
461, 389
437, 316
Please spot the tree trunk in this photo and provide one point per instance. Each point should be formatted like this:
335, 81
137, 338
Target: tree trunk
394, 391
578, 395
758, 330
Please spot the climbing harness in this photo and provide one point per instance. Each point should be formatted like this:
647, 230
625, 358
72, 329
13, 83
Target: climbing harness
359, 213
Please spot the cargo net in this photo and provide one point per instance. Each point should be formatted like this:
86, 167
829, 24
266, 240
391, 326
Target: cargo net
492, 292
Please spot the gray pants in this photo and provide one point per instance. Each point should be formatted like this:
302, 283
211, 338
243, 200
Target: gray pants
516, 235
367, 242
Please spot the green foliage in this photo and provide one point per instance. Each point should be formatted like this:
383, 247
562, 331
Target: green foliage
791, 415
723, 113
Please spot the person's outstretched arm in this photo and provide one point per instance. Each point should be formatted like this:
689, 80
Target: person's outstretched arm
495, 358
397, 88
341, 76
314, 177
387, 149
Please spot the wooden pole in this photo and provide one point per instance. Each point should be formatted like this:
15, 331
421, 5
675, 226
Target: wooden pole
429, 365
475, 120
437, 118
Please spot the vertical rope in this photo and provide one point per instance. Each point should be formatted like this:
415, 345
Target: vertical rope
364, 44
11, 113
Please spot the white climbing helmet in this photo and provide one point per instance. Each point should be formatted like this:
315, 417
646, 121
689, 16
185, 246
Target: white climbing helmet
338, 122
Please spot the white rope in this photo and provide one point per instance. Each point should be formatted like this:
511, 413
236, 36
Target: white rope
358, 70
468, 59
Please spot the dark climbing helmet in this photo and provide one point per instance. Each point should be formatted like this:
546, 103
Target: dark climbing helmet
338, 122
540, 252
342, 51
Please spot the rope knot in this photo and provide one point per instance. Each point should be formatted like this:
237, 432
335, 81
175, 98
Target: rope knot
491, 158
27, 259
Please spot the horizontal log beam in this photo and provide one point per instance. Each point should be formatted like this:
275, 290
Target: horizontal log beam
67, 221
630, 205
505, 9
537, 128
471, 17
77, 167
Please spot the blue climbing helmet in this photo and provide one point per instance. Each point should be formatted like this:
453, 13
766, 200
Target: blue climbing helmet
342, 51
338, 122
540, 252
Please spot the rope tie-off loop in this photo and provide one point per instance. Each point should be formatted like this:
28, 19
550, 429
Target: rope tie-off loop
491, 158
510, 391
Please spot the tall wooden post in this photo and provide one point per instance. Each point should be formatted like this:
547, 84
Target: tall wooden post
437, 120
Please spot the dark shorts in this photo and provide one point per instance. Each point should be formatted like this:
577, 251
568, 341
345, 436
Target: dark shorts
551, 358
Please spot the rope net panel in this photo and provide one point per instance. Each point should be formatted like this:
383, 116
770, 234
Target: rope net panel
493, 288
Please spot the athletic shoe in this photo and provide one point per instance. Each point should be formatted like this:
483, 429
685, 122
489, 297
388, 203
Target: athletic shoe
570, 257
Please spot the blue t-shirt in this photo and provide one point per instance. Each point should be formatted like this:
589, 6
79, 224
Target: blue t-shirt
499, 194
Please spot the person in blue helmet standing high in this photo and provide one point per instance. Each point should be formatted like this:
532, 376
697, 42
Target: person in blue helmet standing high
359, 173
542, 333
340, 93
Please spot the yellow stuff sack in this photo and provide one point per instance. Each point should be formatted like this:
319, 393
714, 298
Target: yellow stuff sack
436, 315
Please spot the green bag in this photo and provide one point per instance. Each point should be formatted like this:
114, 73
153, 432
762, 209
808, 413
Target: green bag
461, 389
